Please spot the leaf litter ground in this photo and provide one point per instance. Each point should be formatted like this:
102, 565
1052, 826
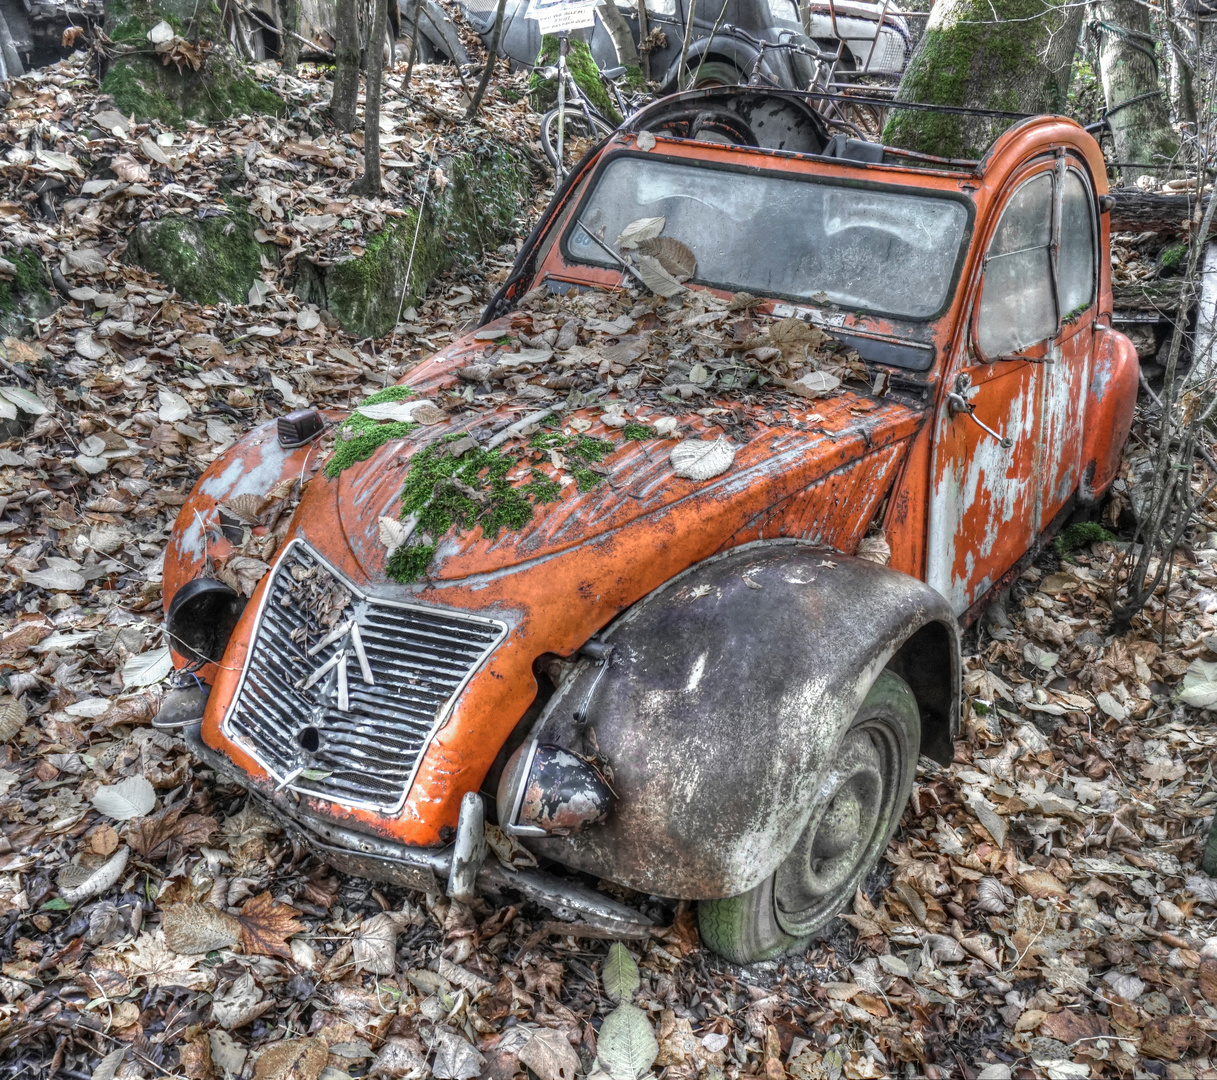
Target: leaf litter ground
1039, 913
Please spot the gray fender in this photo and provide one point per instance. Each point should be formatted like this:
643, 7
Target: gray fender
722, 704
436, 26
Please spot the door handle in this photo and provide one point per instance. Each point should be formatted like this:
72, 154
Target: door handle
957, 402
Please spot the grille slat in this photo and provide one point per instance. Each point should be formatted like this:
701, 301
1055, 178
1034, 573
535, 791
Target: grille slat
420, 660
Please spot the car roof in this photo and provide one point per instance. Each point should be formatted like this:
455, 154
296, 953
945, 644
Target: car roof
787, 122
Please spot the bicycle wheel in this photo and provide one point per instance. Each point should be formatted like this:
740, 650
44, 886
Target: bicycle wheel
581, 132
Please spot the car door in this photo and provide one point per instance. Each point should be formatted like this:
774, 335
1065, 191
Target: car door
985, 500
1065, 373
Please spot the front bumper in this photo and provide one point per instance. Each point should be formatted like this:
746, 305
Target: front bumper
427, 869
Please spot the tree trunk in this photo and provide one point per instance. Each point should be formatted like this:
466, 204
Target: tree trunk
1009, 55
619, 31
369, 183
291, 43
1181, 41
345, 96
1128, 68
492, 54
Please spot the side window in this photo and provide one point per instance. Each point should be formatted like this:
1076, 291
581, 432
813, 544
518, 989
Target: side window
1017, 308
661, 7
1076, 264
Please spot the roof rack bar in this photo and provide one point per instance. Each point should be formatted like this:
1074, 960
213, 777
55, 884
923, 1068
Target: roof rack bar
967, 164
917, 106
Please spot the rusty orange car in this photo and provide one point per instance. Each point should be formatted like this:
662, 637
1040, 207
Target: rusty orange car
584, 589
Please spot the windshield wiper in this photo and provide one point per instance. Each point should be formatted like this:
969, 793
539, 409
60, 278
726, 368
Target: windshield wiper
612, 254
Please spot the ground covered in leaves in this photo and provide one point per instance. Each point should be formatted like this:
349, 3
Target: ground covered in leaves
1039, 913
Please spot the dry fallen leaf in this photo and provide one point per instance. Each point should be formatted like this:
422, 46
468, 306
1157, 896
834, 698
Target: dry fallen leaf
266, 925
702, 459
194, 929
130, 798
292, 1059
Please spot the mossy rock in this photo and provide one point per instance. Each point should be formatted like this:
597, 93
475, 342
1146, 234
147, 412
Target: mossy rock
208, 260
487, 189
142, 85
153, 92
27, 295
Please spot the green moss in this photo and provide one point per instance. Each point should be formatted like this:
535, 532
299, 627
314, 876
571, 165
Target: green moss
487, 188
1079, 535
140, 84
543, 95
585, 478
638, 433
577, 447
1172, 255
407, 564
973, 60
30, 281
360, 436
442, 492
28, 295
206, 261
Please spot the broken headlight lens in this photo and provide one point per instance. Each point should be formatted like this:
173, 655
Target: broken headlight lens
201, 619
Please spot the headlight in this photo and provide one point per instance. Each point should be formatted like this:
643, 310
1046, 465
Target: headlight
548, 791
201, 619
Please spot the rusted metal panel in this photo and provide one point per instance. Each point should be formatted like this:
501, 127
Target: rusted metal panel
1110, 399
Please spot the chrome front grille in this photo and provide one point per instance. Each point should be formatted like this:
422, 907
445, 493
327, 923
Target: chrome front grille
304, 708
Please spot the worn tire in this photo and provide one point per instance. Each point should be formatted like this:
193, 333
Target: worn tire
872, 777
714, 73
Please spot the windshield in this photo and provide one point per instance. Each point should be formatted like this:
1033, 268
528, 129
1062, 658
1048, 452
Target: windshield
784, 236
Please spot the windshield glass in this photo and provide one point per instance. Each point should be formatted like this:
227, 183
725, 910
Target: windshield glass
784, 236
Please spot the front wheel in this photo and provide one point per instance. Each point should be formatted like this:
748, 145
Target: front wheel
853, 816
580, 132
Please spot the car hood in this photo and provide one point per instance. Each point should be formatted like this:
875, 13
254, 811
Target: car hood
816, 473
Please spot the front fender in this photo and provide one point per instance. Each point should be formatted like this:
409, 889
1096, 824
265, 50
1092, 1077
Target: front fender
254, 465
1110, 401
723, 702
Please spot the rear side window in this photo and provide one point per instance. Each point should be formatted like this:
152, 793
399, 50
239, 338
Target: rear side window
1076, 265
1017, 307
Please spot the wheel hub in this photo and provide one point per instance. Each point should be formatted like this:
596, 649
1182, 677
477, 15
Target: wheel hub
851, 810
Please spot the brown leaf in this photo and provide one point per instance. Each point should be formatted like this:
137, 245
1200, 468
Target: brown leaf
1069, 1026
194, 1058
195, 929
676, 258
1030, 1020
15, 645
1041, 885
544, 978
773, 1055
293, 1059
151, 836
266, 925
1168, 1038
1208, 980
102, 840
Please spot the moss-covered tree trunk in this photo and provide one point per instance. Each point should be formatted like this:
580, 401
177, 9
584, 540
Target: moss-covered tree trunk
582, 65
1128, 67
161, 83
1008, 55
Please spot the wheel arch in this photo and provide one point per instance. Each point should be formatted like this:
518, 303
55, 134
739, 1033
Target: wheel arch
714, 745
